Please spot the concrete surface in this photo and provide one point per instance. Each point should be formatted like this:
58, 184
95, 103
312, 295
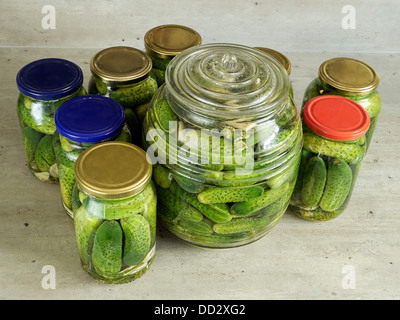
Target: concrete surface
356, 256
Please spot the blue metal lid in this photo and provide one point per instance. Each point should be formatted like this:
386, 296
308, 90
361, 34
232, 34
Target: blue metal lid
89, 118
49, 79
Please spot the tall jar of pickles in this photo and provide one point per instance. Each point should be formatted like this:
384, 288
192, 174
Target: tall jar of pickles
123, 74
81, 123
352, 79
164, 42
225, 140
333, 149
44, 86
115, 215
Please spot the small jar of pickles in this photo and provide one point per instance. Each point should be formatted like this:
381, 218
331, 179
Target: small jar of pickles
81, 123
352, 79
123, 74
334, 145
115, 212
44, 86
164, 42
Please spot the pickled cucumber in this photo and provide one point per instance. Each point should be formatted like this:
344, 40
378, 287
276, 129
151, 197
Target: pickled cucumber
31, 139
350, 152
107, 248
338, 185
229, 194
119, 208
137, 239
37, 120
164, 114
44, 154
269, 196
150, 213
85, 229
241, 225
178, 206
218, 212
305, 155
161, 176
67, 182
135, 95
314, 181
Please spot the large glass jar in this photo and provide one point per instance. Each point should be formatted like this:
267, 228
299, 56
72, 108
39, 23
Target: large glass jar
352, 79
81, 123
44, 86
164, 42
333, 149
123, 74
115, 212
226, 140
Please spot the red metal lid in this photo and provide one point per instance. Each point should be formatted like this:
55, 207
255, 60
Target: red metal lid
336, 117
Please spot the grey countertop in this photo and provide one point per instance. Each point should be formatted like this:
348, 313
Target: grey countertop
355, 256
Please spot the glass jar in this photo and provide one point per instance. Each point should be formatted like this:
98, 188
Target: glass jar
225, 139
123, 74
164, 42
282, 59
81, 123
333, 149
44, 85
352, 79
115, 211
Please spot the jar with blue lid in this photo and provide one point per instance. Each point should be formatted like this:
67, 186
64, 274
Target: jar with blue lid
81, 123
44, 85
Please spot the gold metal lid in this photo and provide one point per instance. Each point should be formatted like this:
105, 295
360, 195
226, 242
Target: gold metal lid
121, 64
348, 75
168, 40
113, 170
278, 56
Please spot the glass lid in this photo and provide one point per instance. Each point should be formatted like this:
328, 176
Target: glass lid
227, 81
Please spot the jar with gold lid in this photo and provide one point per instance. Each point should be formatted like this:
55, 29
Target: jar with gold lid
114, 203
226, 141
164, 42
123, 74
352, 79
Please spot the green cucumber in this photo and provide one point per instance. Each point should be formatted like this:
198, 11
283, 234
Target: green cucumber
67, 182
241, 225
164, 114
162, 176
85, 229
44, 154
31, 139
269, 196
218, 212
107, 248
119, 208
314, 181
229, 194
137, 239
135, 95
338, 185
350, 152
178, 206
305, 155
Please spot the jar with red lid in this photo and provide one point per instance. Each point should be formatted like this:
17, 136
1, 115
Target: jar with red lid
334, 145
352, 79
